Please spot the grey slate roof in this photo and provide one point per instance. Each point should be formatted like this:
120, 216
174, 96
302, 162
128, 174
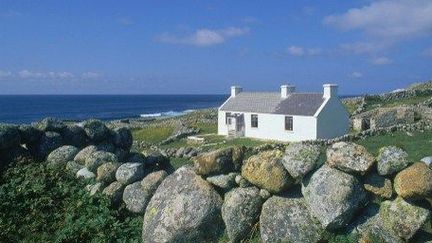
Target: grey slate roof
300, 104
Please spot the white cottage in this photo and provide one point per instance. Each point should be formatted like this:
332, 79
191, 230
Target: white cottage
284, 116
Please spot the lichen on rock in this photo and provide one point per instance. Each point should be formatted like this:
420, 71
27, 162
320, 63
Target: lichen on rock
391, 159
333, 196
240, 212
215, 162
404, 218
414, 182
378, 185
349, 157
299, 159
184, 208
288, 220
265, 170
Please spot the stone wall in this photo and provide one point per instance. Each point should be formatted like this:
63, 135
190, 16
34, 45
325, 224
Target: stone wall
293, 195
287, 192
389, 97
36, 141
383, 117
90, 151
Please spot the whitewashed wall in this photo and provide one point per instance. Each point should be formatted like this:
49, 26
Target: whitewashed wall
272, 126
332, 120
222, 127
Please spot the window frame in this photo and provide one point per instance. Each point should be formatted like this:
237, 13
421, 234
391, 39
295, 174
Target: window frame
254, 121
289, 123
227, 115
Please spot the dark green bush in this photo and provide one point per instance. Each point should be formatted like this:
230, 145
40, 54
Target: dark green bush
38, 204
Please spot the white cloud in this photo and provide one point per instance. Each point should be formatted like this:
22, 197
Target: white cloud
302, 51
5, 74
295, 50
427, 52
356, 75
381, 61
26, 74
91, 75
388, 18
204, 37
61, 75
363, 47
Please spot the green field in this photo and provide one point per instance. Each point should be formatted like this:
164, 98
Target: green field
372, 103
152, 134
416, 144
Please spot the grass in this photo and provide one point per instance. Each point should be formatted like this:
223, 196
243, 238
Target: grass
351, 105
179, 162
418, 146
214, 141
372, 103
152, 134
206, 128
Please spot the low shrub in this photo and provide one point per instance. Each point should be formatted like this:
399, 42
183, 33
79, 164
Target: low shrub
38, 204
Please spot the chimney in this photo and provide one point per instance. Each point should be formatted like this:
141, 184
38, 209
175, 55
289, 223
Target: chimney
330, 90
286, 90
235, 90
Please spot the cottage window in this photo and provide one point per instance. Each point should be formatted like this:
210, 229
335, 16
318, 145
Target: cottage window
228, 118
288, 123
254, 120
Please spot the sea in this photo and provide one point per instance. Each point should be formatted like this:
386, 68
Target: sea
20, 109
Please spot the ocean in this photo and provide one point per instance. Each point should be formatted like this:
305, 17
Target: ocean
18, 109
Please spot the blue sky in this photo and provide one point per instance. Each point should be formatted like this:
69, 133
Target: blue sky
192, 47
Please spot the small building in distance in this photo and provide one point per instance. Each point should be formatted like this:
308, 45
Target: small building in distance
283, 116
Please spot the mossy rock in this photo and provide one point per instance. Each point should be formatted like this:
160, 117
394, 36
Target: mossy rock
402, 217
414, 182
216, 162
265, 170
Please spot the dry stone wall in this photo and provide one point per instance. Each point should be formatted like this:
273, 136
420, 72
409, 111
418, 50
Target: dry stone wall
286, 192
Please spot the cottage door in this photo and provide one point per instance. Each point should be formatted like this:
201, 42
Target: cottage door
232, 124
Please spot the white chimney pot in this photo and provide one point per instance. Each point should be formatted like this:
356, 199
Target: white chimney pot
286, 90
235, 90
330, 90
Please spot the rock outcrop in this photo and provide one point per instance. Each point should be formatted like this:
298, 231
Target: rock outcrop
9, 136
85, 153
185, 208
137, 195
226, 182
240, 212
378, 185
288, 220
333, 196
265, 170
46, 143
98, 158
300, 159
62, 155
114, 192
403, 218
96, 130
349, 157
128, 173
215, 162
106, 173
414, 182
391, 159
